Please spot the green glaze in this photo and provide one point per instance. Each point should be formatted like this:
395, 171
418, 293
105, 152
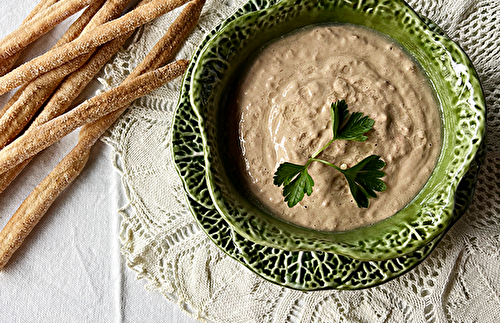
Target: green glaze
303, 270
451, 73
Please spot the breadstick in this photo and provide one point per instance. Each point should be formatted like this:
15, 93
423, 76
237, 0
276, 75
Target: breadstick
87, 42
64, 96
32, 142
80, 24
35, 206
39, 25
110, 10
39, 7
13, 99
48, 15
163, 51
166, 48
20, 112
20, 109
76, 82
77, 27
7, 64
27, 216
74, 30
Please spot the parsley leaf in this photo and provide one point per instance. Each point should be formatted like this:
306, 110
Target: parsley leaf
286, 172
349, 127
363, 179
338, 113
294, 189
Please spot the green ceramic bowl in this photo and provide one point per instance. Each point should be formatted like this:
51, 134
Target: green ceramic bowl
303, 270
449, 70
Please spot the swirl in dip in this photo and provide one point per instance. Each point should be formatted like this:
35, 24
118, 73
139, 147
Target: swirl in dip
283, 104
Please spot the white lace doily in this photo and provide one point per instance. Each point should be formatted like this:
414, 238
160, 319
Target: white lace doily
458, 282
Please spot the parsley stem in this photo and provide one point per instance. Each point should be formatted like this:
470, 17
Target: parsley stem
327, 163
321, 150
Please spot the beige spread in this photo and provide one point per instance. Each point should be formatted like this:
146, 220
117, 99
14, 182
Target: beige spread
283, 111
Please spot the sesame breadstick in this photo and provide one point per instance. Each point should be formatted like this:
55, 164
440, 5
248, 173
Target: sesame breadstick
39, 7
27, 216
32, 142
76, 81
39, 25
37, 203
64, 96
7, 64
73, 32
20, 109
74, 84
87, 42
13, 99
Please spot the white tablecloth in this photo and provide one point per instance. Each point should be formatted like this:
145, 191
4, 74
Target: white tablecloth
70, 268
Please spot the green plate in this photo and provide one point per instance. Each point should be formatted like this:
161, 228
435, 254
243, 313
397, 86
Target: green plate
303, 270
449, 70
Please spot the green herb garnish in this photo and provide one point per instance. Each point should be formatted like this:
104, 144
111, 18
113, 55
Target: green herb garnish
363, 178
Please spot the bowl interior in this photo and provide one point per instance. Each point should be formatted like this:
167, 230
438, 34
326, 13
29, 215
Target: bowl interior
449, 70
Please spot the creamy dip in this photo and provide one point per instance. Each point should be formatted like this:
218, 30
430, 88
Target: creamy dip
283, 112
